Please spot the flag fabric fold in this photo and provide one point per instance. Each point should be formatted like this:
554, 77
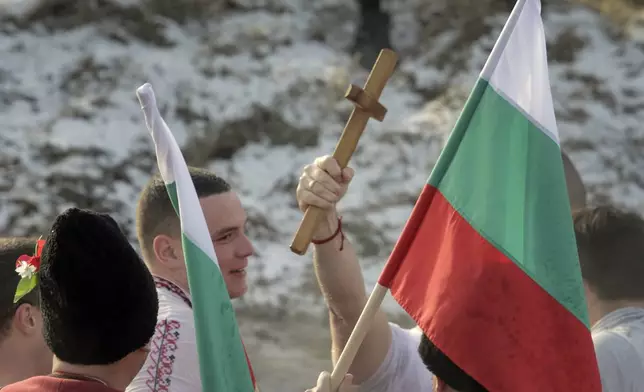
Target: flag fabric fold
487, 263
223, 362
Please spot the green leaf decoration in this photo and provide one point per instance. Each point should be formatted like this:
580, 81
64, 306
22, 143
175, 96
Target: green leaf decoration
24, 287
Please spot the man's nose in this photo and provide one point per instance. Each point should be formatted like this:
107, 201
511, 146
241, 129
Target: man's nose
246, 248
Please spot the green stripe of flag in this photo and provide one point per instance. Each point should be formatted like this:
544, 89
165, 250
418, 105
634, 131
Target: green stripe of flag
504, 153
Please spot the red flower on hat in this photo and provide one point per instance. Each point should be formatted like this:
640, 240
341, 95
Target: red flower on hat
27, 267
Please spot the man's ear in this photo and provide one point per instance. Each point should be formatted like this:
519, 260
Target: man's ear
26, 320
167, 251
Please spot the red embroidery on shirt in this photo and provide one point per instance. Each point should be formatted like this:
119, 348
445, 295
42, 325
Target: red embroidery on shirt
173, 288
162, 348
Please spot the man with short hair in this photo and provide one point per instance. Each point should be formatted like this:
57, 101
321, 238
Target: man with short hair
99, 306
610, 243
23, 352
173, 363
159, 232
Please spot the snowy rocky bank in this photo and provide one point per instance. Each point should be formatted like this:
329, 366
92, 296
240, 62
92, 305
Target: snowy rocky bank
253, 89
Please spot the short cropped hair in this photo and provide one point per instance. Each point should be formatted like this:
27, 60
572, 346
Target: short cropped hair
155, 214
610, 243
444, 369
10, 249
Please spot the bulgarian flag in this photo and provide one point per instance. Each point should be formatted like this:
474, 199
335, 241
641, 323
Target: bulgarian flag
223, 362
487, 263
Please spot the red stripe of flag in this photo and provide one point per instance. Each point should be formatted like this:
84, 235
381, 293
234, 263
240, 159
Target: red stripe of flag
479, 308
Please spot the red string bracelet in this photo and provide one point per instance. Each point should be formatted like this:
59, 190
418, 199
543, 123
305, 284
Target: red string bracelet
337, 231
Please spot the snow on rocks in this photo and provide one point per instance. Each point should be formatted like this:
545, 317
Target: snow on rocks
256, 93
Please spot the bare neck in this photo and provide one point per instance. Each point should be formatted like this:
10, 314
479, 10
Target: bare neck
16, 365
113, 375
13, 370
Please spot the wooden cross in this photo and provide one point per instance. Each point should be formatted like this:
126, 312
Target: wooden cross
366, 106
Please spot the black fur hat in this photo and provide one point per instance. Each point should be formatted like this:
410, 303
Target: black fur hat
98, 299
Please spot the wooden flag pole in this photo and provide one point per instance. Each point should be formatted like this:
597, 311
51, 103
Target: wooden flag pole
357, 335
366, 106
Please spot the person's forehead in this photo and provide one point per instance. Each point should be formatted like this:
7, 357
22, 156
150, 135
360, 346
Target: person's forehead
223, 210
